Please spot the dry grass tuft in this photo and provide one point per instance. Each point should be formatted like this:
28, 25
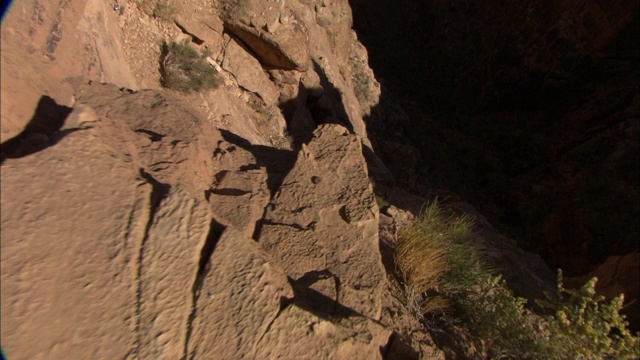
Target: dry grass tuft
426, 255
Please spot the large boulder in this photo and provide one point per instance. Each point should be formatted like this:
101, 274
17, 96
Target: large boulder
72, 222
249, 73
321, 225
135, 259
271, 32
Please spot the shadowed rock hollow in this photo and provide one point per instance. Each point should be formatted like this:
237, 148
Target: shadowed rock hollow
530, 110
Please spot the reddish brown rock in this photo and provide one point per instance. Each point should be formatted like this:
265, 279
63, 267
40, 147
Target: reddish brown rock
284, 46
323, 220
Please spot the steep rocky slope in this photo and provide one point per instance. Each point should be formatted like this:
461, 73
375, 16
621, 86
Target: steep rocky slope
529, 110
239, 222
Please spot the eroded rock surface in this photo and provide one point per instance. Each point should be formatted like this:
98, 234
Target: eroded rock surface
271, 31
249, 73
144, 223
322, 222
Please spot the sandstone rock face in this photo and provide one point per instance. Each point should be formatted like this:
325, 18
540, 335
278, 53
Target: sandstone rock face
144, 222
249, 73
241, 295
69, 250
150, 224
322, 222
206, 28
277, 38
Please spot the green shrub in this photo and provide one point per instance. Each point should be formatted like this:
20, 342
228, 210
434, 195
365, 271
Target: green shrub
183, 69
440, 272
160, 9
586, 325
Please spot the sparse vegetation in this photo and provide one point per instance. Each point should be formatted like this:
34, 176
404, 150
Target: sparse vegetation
445, 281
361, 79
160, 9
185, 70
586, 325
382, 203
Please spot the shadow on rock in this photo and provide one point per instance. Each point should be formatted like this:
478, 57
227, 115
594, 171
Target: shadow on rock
278, 162
42, 131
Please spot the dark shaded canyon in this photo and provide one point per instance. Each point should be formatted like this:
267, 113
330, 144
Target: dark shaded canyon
527, 109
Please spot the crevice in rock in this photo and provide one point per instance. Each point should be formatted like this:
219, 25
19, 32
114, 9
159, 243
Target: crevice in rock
229, 192
42, 131
55, 32
216, 230
344, 214
311, 226
196, 40
336, 114
258, 228
317, 303
284, 303
153, 136
313, 277
398, 348
159, 192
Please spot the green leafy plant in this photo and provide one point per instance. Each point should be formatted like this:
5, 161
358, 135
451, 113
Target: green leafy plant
586, 325
185, 70
443, 276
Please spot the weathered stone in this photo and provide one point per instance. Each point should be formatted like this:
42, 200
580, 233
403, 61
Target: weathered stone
69, 243
319, 338
168, 270
286, 48
20, 98
247, 309
240, 297
204, 29
324, 219
238, 198
174, 144
249, 73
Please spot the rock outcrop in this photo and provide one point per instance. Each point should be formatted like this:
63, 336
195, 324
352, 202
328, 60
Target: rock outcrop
143, 227
322, 223
271, 31
240, 222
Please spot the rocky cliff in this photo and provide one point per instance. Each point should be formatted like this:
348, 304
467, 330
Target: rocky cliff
139, 222
529, 110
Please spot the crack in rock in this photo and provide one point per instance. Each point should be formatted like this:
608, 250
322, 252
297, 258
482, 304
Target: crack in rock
159, 191
215, 232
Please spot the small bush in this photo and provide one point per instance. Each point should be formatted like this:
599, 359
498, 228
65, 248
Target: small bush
160, 9
382, 203
587, 326
164, 10
183, 69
